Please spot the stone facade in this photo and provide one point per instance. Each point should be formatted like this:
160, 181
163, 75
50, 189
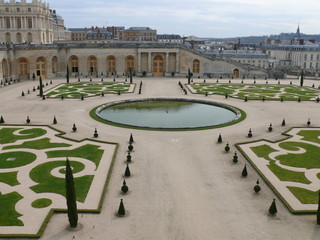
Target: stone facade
34, 22
51, 60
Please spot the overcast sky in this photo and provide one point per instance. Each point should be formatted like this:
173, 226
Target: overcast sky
202, 18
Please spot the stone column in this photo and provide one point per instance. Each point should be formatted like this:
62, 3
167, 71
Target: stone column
149, 62
167, 63
139, 61
177, 62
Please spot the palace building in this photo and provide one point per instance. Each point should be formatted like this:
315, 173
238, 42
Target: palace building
35, 41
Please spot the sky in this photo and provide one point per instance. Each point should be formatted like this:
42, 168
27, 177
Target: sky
201, 18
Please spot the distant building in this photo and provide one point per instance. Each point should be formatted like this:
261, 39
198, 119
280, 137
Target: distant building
91, 35
114, 30
34, 22
138, 34
169, 38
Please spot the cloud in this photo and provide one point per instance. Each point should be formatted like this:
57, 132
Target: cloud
225, 17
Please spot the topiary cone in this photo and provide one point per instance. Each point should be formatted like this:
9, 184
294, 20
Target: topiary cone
54, 120
1, 120
220, 138
28, 119
62, 97
121, 210
131, 139
227, 148
127, 172
22, 94
318, 211
308, 123
124, 187
283, 122
273, 208
244, 171
129, 157
235, 157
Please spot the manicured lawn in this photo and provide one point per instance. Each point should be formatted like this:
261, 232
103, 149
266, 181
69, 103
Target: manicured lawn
7, 134
9, 215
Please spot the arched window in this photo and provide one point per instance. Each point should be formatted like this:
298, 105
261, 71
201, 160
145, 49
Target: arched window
19, 38
41, 67
8, 38
5, 68
196, 66
54, 65
23, 68
111, 64
93, 65
29, 38
130, 64
74, 62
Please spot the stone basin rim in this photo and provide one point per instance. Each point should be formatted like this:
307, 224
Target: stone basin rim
217, 104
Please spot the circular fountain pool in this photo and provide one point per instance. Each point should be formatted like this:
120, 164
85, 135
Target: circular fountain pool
169, 114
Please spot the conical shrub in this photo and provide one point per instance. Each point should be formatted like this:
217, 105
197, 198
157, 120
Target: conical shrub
74, 128
244, 172
308, 122
283, 122
220, 138
54, 120
28, 119
318, 211
131, 139
121, 210
227, 148
127, 172
273, 208
2, 120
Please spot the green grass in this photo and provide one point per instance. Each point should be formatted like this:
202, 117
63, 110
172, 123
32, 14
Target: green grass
16, 159
263, 151
305, 196
258, 91
287, 175
7, 134
41, 203
51, 184
310, 135
9, 216
40, 144
88, 151
9, 178
308, 160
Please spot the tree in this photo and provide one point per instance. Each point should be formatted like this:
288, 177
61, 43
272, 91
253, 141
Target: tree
129, 157
71, 197
301, 78
1, 120
220, 138
283, 122
67, 76
273, 208
189, 76
227, 148
74, 128
235, 157
54, 120
130, 75
124, 187
318, 211
40, 87
121, 210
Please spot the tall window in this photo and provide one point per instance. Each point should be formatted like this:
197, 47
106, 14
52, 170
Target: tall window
130, 64
23, 68
41, 67
5, 68
92, 65
74, 64
8, 37
111, 64
54, 65
196, 66
19, 25
29, 37
29, 22
19, 38
7, 23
